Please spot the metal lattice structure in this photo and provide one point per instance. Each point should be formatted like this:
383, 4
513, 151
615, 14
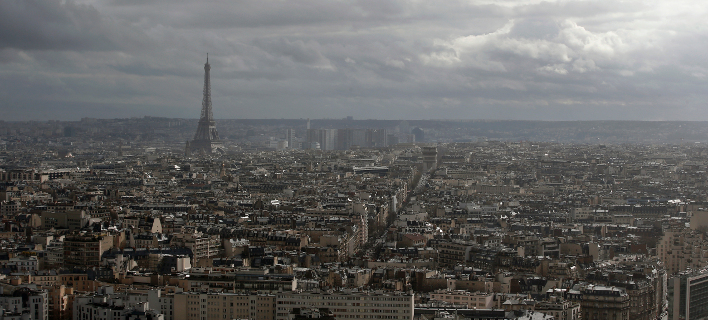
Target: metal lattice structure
206, 139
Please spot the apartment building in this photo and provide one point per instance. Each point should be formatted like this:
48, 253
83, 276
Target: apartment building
559, 308
601, 302
85, 250
161, 303
21, 264
203, 246
206, 306
240, 281
472, 300
688, 295
348, 305
60, 301
452, 254
10, 208
106, 304
682, 248
100, 308
25, 302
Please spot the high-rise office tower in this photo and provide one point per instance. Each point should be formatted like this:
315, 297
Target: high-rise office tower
377, 138
419, 134
325, 138
290, 137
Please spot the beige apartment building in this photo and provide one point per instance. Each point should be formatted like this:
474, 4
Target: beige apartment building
472, 300
682, 248
560, 309
204, 247
60, 300
85, 250
601, 302
348, 305
452, 254
205, 306
345, 305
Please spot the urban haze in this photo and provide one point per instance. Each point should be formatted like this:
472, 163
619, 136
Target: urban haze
263, 160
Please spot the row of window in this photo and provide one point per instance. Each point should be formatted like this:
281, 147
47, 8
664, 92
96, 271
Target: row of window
335, 297
359, 310
389, 305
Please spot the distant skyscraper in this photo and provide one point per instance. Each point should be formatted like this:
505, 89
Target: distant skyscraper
419, 134
206, 139
325, 138
377, 138
343, 141
346, 138
290, 137
359, 137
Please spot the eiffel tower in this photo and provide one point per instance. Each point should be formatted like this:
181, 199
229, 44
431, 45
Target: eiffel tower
206, 139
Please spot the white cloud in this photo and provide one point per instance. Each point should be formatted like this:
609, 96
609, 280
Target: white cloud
395, 63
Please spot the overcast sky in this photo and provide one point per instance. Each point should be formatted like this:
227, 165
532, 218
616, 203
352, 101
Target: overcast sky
378, 59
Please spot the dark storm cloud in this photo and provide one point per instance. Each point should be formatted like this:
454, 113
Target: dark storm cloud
243, 14
508, 59
298, 51
142, 68
58, 25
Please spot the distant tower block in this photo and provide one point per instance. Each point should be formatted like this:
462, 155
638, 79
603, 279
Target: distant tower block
430, 158
419, 134
290, 137
206, 139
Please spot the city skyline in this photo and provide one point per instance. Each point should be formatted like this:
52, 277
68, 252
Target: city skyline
508, 60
